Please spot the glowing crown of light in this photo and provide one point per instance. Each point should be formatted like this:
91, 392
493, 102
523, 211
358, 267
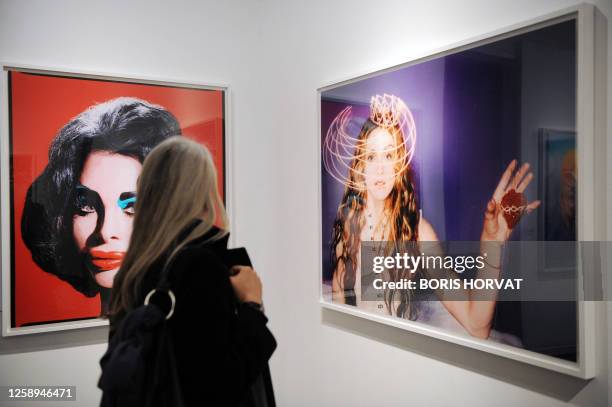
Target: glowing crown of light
340, 148
384, 110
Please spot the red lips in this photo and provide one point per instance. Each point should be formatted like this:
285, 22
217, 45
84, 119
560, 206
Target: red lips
105, 261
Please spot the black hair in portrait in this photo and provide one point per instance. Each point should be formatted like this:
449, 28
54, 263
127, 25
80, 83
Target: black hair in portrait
127, 126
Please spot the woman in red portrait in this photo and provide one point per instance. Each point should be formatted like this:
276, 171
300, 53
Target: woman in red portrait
76, 146
77, 217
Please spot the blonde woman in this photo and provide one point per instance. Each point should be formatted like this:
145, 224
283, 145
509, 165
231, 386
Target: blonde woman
220, 338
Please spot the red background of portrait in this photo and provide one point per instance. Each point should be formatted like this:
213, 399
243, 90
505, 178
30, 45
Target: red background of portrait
40, 106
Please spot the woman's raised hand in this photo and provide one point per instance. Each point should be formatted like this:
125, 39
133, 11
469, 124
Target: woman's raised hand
246, 284
506, 207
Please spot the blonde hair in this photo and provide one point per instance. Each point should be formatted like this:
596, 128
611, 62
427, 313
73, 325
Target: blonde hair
178, 184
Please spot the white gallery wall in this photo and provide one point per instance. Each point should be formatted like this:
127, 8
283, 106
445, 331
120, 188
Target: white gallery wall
274, 55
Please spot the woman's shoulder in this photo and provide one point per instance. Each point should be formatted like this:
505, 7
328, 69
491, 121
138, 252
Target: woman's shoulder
203, 258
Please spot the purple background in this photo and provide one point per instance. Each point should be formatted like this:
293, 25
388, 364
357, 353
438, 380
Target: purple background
467, 118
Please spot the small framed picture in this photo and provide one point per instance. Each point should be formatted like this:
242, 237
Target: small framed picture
557, 180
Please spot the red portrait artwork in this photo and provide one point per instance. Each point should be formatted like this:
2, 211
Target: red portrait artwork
76, 148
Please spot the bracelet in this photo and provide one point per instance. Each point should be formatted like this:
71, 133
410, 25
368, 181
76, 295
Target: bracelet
501, 248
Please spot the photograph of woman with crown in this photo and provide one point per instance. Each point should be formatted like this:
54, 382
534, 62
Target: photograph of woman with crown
439, 155
440, 158
380, 204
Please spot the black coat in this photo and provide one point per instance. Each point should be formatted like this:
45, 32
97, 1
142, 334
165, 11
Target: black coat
221, 347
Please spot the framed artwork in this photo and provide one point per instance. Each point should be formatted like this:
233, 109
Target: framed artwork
73, 145
444, 159
557, 187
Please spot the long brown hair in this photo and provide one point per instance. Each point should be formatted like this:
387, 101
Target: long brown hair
401, 207
178, 184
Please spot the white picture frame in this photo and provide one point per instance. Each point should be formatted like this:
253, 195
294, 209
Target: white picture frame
590, 127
